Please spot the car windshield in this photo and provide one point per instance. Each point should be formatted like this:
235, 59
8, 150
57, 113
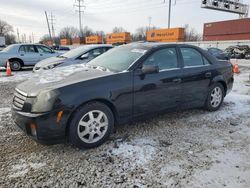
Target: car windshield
7, 48
75, 52
118, 59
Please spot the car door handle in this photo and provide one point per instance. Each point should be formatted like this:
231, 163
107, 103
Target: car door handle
177, 80
22, 55
208, 74
41, 54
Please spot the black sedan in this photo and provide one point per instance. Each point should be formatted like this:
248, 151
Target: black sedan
85, 102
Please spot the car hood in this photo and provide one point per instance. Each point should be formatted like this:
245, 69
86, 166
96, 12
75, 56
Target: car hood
51, 61
60, 77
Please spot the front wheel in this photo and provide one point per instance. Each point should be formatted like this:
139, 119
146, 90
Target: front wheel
91, 125
215, 97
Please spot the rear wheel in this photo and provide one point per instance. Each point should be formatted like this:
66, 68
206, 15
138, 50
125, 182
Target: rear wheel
215, 97
15, 65
91, 125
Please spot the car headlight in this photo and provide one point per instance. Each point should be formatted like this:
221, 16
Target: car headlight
44, 101
51, 66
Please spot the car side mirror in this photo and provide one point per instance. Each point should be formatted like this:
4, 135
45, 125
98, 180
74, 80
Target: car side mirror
149, 69
85, 56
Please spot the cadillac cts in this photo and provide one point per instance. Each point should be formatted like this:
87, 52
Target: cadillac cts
83, 103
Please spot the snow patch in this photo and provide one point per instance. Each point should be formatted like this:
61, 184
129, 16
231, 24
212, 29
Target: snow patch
141, 151
4, 110
23, 168
17, 77
59, 73
229, 170
235, 105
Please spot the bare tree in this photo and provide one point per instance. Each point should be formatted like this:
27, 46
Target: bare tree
118, 30
191, 34
10, 39
100, 33
69, 33
45, 37
6, 31
5, 28
87, 32
141, 33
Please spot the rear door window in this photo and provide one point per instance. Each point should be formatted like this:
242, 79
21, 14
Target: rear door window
27, 49
192, 57
43, 49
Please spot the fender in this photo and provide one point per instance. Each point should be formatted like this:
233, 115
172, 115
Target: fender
222, 80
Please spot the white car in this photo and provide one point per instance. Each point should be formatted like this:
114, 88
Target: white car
21, 55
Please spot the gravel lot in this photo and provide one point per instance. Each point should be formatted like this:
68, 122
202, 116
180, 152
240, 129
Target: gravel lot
192, 148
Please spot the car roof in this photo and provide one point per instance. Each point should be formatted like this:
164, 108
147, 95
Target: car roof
98, 45
151, 45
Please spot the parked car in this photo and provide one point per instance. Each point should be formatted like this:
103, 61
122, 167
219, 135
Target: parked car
61, 48
84, 102
218, 53
21, 55
79, 55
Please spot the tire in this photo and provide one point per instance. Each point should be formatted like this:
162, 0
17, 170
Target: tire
15, 65
215, 97
94, 120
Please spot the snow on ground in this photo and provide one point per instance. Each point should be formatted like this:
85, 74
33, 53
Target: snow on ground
17, 76
141, 150
22, 168
192, 148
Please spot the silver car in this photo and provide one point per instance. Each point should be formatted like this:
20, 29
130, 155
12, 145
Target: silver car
80, 55
21, 55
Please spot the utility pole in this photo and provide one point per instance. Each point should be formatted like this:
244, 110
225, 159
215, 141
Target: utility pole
30, 40
48, 25
18, 35
24, 36
79, 5
169, 14
33, 39
52, 19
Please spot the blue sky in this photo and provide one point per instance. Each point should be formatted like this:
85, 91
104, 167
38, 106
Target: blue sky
28, 15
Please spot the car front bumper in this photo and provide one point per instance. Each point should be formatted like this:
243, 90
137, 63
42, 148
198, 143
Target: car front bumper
47, 129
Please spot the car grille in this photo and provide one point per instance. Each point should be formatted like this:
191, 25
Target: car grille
19, 99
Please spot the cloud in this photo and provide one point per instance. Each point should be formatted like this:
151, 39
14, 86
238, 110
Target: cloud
28, 15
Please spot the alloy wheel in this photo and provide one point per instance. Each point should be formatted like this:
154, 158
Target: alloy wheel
216, 97
92, 126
